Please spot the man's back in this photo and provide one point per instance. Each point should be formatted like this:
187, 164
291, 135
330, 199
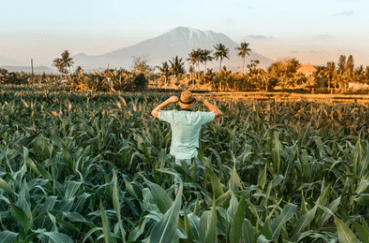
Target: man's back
186, 127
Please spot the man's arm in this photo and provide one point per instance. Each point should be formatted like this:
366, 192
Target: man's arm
155, 112
210, 106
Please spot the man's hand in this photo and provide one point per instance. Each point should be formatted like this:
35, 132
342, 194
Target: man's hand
200, 99
173, 99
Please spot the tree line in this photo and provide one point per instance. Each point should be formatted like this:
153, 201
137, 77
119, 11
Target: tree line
283, 73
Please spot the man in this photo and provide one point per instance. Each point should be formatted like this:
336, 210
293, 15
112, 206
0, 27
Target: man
186, 125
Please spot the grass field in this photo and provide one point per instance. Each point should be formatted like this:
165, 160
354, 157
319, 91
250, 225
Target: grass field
94, 167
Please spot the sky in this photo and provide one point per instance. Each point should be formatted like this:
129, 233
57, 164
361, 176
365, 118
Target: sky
42, 30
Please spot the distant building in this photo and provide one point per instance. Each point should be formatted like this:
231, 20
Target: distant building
357, 86
306, 69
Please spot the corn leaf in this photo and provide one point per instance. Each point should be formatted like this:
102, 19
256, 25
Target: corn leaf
345, 235
164, 231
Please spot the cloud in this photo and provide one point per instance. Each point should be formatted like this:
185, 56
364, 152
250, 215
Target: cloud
345, 13
261, 37
318, 51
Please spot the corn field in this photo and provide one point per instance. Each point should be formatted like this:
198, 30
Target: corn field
95, 167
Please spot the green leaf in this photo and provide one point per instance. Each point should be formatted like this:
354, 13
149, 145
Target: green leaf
235, 181
196, 209
7, 236
211, 235
106, 227
262, 178
362, 199
236, 227
5, 186
71, 188
262, 239
248, 231
162, 199
75, 217
363, 184
345, 235
90, 232
277, 180
21, 217
215, 183
329, 212
164, 231
115, 196
361, 231
41, 170
130, 188
266, 230
305, 220
287, 213
56, 237
187, 227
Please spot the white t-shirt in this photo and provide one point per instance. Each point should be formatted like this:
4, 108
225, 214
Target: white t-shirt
186, 126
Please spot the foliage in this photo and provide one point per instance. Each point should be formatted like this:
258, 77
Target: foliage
282, 74
63, 63
93, 167
243, 50
177, 66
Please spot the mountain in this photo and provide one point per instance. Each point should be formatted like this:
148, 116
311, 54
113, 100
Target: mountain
28, 69
177, 42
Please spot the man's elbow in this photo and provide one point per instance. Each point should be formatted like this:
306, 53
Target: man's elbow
218, 114
155, 114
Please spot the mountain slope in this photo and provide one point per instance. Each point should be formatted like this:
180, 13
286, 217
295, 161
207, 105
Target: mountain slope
177, 42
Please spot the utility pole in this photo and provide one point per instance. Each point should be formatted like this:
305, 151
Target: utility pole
32, 70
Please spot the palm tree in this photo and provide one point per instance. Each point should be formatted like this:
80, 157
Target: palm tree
67, 60
205, 57
191, 70
221, 52
177, 66
58, 63
243, 51
164, 69
329, 73
195, 58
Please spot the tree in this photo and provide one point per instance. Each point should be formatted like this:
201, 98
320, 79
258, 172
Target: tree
345, 69
3, 73
195, 58
191, 70
221, 52
58, 63
205, 56
329, 73
253, 66
350, 63
243, 51
62, 63
164, 69
177, 66
140, 66
79, 70
342, 63
67, 60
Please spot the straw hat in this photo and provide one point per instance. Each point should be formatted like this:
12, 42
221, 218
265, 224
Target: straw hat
187, 99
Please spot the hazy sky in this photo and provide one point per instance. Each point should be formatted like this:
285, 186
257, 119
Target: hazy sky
42, 30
